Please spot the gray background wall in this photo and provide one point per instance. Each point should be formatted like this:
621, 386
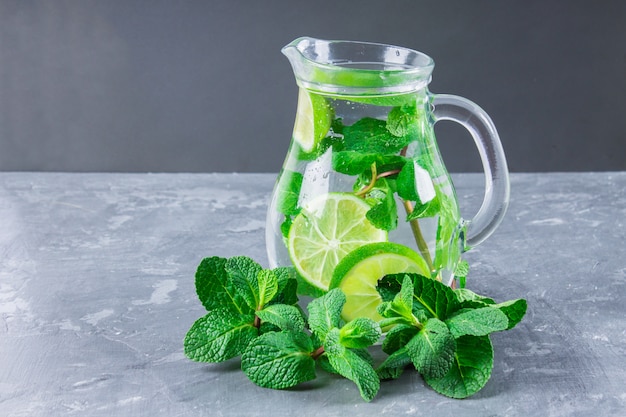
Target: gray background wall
124, 85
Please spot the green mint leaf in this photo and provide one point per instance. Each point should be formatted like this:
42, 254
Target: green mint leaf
464, 295
398, 337
393, 366
215, 289
244, 272
285, 317
477, 322
393, 321
285, 226
287, 285
414, 183
370, 135
279, 360
220, 335
402, 121
470, 371
434, 297
323, 362
352, 162
514, 311
429, 209
462, 269
449, 232
289, 186
405, 182
359, 333
388, 287
400, 306
325, 312
432, 349
384, 214
350, 365
268, 286
403, 301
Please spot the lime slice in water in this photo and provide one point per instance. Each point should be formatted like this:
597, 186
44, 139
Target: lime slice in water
358, 273
328, 228
313, 119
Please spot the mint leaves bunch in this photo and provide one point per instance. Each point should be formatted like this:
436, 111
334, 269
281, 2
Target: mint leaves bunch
253, 312
443, 333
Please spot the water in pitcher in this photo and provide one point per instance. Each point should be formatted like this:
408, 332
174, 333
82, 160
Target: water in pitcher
375, 159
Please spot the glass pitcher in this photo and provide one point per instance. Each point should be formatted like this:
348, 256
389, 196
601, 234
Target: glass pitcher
363, 191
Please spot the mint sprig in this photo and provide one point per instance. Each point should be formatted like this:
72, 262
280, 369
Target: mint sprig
253, 313
443, 333
237, 292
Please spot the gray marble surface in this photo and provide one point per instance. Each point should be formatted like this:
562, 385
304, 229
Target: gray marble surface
97, 293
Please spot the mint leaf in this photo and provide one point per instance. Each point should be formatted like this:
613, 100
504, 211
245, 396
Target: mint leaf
462, 269
398, 337
415, 184
215, 289
400, 309
285, 226
289, 186
352, 366
243, 272
359, 333
477, 322
393, 366
285, 317
434, 297
384, 214
429, 209
406, 182
369, 135
463, 295
402, 121
514, 311
351, 162
268, 286
470, 371
325, 312
432, 349
220, 335
279, 359
287, 285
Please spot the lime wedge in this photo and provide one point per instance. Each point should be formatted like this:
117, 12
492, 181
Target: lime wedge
328, 228
313, 119
358, 273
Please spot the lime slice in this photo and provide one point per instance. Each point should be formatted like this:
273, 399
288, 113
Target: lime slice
358, 273
328, 228
313, 119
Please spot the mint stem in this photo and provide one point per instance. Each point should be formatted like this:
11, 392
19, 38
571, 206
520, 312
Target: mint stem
417, 233
369, 187
317, 353
415, 227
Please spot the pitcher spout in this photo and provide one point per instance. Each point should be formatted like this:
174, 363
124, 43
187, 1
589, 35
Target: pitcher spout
292, 50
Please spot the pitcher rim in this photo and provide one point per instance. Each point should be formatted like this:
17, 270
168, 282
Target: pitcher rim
341, 66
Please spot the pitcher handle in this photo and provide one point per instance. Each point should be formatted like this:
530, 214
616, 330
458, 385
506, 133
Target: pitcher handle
497, 188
